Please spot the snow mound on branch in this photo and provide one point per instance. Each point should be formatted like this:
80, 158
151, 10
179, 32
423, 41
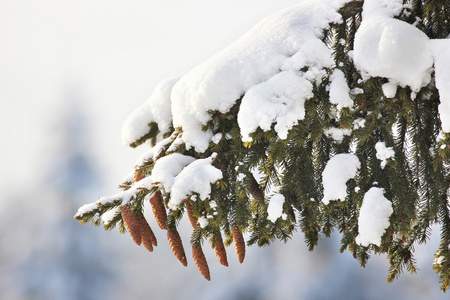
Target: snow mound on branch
441, 53
339, 169
286, 41
168, 167
337, 134
157, 109
389, 89
373, 217
278, 100
275, 208
196, 177
390, 48
339, 90
384, 153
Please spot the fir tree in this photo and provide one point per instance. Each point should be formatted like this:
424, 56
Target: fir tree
328, 116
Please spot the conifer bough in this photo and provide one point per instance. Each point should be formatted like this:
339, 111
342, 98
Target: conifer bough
332, 115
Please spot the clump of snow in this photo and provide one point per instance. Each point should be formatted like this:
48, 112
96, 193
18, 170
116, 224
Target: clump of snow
168, 167
216, 138
389, 89
373, 217
86, 208
391, 48
203, 222
129, 177
147, 156
275, 208
284, 42
213, 204
196, 177
439, 260
359, 123
384, 153
108, 216
157, 109
339, 169
337, 134
357, 91
441, 50
278, 100
339, 90
387, 8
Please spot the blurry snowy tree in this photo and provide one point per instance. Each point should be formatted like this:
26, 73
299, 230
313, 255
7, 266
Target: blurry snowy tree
62, 263
330, 115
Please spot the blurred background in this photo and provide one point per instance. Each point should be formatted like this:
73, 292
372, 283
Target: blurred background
71, 71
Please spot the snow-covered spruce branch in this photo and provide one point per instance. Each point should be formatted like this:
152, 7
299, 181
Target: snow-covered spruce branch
329, 115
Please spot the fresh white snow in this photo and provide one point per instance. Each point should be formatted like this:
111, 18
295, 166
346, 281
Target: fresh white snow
339, 90
391, 48
339, 169
196, 177
275, 208
168, 167
441, 53
108, 216
389, 89
278, 100
156, 109
203, 222
337, 134
373, 217
384, 153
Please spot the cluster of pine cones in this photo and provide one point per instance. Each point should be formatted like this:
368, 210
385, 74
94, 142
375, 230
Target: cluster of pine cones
141, 233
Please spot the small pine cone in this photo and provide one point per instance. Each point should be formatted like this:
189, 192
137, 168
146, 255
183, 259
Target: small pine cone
221, 253
193, 219
132, 224
255, 190
176, 245
200, 261
159, 211
137, 176
239, 244
147, 236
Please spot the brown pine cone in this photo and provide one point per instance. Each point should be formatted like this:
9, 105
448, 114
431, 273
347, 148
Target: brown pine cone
219, 249
159, 211
255, 190
137, 176
239, 244
176, 245
200, 261
193, 219
147, 236
132, 224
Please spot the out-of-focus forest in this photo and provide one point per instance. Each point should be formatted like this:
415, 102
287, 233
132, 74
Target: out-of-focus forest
70, 73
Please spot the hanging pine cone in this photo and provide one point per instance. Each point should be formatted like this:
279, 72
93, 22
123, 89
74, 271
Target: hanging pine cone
200, 261
239, 244
138, 175
159, 211
132, 224
193, 219
219, 249
148, 238
255, 190
176, 245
